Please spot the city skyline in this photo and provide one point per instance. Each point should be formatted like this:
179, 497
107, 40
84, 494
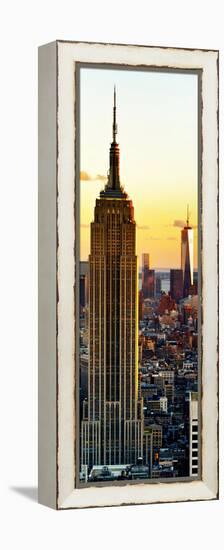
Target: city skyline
162, 214
138, 348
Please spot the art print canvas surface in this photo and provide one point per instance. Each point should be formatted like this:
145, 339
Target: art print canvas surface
139, 299
128, 276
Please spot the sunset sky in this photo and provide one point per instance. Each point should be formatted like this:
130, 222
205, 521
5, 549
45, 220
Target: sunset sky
157, 134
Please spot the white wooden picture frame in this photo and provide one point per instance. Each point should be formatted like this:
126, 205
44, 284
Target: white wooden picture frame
58, 168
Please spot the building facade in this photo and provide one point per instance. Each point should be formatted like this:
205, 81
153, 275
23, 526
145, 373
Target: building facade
112, 424
145, 261
176, 284
193, 435
148, 277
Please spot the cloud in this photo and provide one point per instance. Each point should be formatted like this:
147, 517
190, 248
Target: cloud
143, 227
151, 238
182, 223
179, 223
85, 176
101, 177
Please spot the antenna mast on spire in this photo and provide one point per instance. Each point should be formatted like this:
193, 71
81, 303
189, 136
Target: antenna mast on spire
188, 215
113, 187
114, 120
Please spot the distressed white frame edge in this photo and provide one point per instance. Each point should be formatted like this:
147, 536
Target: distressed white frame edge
47, 287
67, 496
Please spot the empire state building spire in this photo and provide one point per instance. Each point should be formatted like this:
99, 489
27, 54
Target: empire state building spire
113, 187
114, 120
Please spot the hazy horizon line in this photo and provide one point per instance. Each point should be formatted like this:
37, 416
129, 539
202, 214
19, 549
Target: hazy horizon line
155, 268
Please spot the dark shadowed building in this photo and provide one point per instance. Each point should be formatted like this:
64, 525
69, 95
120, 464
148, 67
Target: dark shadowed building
176, 284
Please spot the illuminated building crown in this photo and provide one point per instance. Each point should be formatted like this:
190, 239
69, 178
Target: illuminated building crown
113, 187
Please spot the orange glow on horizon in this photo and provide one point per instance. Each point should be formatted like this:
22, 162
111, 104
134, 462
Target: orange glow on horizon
157, 121
158, 227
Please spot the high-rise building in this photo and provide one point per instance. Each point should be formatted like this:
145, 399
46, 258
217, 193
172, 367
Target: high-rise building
157, 437
158, 285
148, 277
84, 268
151, 283
176, 284
169, 392
140, 305
148, 448
194, 288
112, 425
145, 261
83, 290
187, 257
193, 435
83, 284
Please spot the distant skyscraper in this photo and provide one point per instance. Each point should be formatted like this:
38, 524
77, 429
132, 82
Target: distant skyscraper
194, 289
151, 283
140, 305
148, 278
145, 261
112, 425
83, 290
157, 437
187, 257
176, 284
158, 285
83, 284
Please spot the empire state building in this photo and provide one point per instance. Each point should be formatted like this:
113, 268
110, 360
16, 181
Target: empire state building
112, 425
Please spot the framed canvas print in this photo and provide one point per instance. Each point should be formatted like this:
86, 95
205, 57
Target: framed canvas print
128, 274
